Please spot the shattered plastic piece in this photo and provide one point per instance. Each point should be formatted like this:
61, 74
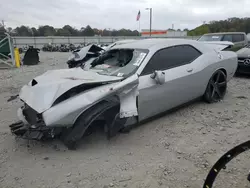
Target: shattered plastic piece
12, 98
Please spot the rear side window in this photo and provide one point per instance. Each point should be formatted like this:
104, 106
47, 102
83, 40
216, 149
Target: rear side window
238, 38
189, 54
228, 38
171, 57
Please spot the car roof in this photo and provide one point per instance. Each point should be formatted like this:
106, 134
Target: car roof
153, 43
223, 33
125, 41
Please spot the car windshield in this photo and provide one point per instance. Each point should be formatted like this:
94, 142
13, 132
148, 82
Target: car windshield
118, 62
211, 38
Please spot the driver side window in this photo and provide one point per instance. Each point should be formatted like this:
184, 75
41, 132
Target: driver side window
171, 57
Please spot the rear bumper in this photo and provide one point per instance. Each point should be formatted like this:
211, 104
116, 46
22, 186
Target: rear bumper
34, 131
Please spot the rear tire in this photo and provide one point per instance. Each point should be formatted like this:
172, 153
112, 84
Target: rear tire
216, 88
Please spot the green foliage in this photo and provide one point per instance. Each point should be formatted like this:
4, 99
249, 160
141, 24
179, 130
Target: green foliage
229, 25
67, 30
34, 31
199, 30
88, 31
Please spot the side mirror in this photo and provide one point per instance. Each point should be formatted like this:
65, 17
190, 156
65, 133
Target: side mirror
159, 77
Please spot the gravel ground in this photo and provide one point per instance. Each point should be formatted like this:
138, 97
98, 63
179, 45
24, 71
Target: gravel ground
175, 150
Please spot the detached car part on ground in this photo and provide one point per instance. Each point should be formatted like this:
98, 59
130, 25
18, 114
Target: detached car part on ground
122, 87
223, 161
60, 48
79, 57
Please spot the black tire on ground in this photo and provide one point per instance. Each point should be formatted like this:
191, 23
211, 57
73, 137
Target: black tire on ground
216, 88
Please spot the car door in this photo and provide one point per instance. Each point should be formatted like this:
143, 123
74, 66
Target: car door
179, 86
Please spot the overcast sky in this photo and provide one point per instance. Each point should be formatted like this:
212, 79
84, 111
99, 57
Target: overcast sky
118, 14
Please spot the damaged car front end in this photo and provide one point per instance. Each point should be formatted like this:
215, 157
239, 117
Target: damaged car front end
65, 103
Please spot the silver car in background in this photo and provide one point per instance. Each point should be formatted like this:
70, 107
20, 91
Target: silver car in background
239, 39
243, 60
123, 86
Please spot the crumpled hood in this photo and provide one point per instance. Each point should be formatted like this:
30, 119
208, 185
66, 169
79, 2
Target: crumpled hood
43, 90
244, 52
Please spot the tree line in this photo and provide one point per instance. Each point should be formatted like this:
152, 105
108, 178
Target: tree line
66, 30
229, 25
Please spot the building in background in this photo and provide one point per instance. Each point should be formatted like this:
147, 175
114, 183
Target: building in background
162, 33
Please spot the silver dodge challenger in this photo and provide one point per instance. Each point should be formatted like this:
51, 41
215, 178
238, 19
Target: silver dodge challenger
122, 87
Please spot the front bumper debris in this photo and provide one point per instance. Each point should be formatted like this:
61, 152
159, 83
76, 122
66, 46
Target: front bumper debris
31, 126
29, 132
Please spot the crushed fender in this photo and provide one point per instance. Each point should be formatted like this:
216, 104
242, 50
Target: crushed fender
128, 92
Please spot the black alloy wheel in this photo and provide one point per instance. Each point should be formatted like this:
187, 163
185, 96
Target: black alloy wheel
216, 88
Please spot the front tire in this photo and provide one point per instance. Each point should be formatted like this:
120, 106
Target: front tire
216, 88
72, 136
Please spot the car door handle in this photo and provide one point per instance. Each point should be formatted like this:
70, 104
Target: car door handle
189, 70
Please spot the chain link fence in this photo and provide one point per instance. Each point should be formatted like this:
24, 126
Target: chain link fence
39, 42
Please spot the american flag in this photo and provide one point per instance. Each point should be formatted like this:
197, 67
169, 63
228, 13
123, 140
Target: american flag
138, 16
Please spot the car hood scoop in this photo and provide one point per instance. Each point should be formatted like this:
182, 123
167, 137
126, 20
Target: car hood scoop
42, 91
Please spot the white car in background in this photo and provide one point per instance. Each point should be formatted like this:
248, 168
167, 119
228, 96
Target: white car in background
239, 39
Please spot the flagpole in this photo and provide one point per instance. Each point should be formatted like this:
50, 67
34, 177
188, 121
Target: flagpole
138, 19
139, 26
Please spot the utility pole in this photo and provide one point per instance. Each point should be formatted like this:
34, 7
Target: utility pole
150, 20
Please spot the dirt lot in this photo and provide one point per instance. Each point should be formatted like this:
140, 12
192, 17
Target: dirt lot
176, 150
